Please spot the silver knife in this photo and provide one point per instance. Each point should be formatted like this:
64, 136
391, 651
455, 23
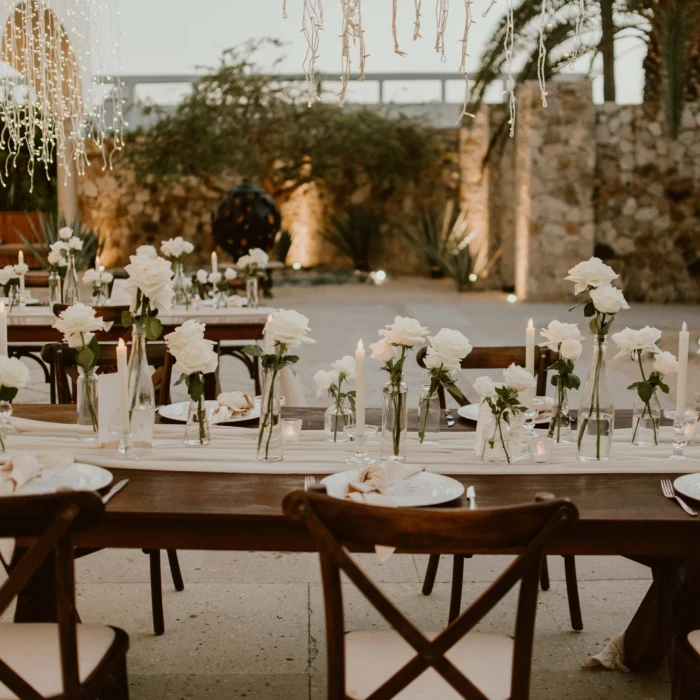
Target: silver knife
471, 495
114, 490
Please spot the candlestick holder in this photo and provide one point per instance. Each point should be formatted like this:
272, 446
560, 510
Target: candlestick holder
291, 429
541, 449
361, 458
683, 430
125, 435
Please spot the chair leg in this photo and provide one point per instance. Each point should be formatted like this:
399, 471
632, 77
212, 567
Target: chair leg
156, 591
456, 594
544, 575
175, 570
431, 573
120, 683
572, 593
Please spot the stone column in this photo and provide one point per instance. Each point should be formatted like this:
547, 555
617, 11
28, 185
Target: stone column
554, 180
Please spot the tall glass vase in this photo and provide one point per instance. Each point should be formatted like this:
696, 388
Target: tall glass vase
251, 291
336, 418
197, 429
596, 416
428, 416
180, 285
560, 423
71, 293
55, 287
394, 421
86, 388
270, 433
141, 396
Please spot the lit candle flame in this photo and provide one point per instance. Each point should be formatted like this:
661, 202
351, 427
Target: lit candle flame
121, 342
530, 324
360, 346
685, 326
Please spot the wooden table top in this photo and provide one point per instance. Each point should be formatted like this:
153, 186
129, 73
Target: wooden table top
619, 513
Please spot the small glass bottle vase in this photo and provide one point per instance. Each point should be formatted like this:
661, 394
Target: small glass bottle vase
71, 293
86, 388
394, 421
596, 416
197, 429
13, 298
141, 396
180, 285
646, 418
335, 419
496, 437
560, 423
428, 417
54, 287
270, 433
251, 291
99, 294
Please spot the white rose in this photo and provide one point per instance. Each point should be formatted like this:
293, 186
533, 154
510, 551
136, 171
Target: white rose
557, 332
288, 327
345, 366
59, 247
146, 251
214, 278
571, 349
230, 273
665, 363
197, 356
7, 273
75, 244
591, 273
245, 261
608, 299
325, 380
13, 373
202, 276
77, 319
449, 343
190, 331
404, 331
382, 351
434, 360
91, 276
485, 387
630, 341
173, 247
187, 248
152, 277
65, 233
518, 379
21, 269
55, 259
79, 340
259, 257
107, 277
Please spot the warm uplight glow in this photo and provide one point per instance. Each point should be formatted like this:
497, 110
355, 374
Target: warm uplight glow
511, 298
473, 277
296, 266
381, 275
360, 345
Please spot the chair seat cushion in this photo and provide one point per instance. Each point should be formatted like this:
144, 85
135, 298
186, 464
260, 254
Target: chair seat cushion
694, 640
32, 651
373, 656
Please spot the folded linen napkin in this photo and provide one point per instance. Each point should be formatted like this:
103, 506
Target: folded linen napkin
232, 404
236, 301
23, 467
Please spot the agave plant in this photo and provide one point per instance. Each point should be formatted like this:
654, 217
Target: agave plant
283, 243
47, 234
355, 235
464, 263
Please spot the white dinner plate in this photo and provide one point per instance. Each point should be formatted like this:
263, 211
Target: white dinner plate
471, 412
178, 412
688, 485
423, 489
77, 477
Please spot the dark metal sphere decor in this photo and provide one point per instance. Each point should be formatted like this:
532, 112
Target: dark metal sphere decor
246, 218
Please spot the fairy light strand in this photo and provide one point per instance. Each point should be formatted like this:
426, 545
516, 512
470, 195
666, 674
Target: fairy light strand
468, 21
416, 22
442, 9
509, 47
311, 27
488, 9
580, 18
352, 35
542, 55
394, 15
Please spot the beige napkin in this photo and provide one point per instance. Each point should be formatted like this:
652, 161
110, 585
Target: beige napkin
612, 657
373, 487
24, 467
232, 404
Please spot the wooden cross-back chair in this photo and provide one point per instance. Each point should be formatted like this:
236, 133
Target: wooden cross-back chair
379, 664
500, 358
66, 659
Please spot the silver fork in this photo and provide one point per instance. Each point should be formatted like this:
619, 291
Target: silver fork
669, 492
309, 482
449, 418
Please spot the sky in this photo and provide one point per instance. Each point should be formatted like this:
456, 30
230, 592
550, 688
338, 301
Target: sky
181, 36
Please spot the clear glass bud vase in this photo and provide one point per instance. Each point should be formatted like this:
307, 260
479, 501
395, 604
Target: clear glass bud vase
394, 421
428, 416
86, 388
560, 423
251, 291
646, 418
270, 433
142, 400
55, 288
336, 418
71, 292
180, 285
13, 300
496, 445
596, 416
99, 294
197, 429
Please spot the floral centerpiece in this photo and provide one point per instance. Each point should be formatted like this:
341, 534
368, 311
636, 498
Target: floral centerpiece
14, 376
443, 360
284, 331
251, 264
79, 324
503, 401
647, 409
99, 278
173, 249
9, 279
220, 283
398, 338
597, 412
339, 414
194, 357
56, 262
565, 340
65, 247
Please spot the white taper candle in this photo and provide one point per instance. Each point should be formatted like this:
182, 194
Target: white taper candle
214, 262
360, 389
3, 329
123, 372
683, 341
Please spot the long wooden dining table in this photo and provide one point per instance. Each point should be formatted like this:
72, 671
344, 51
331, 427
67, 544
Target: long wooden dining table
620, 514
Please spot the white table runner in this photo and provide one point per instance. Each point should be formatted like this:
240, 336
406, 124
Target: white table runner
233, 450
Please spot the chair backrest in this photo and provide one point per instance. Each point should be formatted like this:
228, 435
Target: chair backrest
51, 519
62, 361
109, 314
336, 524
500, 358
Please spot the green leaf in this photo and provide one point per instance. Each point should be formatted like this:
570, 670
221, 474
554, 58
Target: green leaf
454, 390
95, 347
183, 378
593, 325
196, 386
589, 309
153, 327
85, 358
574, 382
663, 387
8, 393
253, 350
127, 319
645, 391
291, 359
